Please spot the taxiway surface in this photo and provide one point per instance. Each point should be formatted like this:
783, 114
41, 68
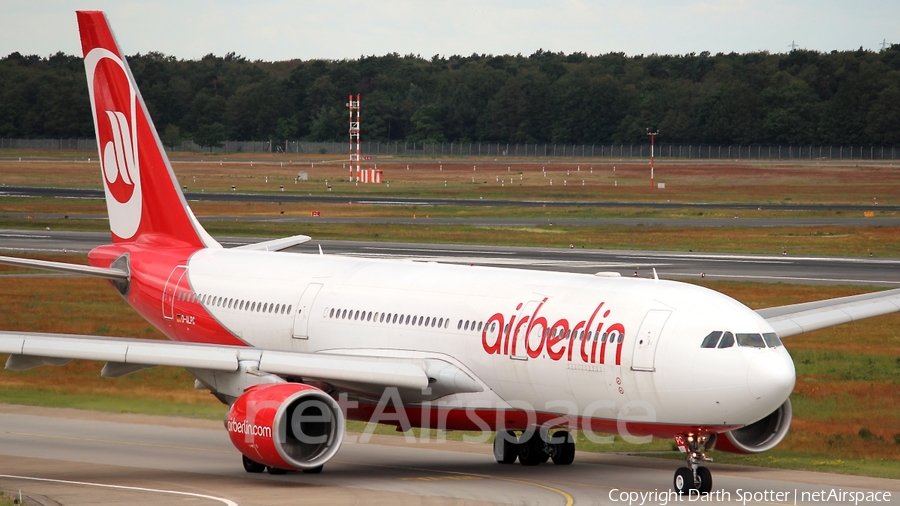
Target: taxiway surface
31, 191
96, 458
672, 265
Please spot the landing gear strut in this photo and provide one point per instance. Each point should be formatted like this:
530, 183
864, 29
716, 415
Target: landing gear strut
693, 477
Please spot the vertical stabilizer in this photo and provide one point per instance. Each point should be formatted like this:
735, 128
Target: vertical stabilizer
142, 193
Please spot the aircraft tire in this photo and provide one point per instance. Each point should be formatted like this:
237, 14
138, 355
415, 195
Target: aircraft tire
705, 480
314, 470
684, 480
531, 451
275, 470
564, 453
506, 449
251, 466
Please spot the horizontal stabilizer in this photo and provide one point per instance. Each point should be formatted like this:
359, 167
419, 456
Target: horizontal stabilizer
84, 270
276, 244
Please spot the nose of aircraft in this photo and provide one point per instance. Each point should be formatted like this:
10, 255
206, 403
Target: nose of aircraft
771, 376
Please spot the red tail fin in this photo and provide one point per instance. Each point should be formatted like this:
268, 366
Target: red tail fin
142, 193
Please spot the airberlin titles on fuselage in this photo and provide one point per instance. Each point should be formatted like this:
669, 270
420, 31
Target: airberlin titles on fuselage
586, 340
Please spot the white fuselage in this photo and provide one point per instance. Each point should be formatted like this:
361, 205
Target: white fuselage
651, 363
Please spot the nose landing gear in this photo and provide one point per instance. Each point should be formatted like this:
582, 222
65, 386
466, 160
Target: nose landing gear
693, 477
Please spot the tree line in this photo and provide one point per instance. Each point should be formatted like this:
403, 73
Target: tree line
800, 97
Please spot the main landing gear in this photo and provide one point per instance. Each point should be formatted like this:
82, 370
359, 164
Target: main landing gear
531, 449
693, 477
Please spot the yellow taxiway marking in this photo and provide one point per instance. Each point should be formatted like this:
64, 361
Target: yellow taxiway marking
93, 440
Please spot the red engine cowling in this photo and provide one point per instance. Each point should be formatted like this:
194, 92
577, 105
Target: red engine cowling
286, 425
759, 436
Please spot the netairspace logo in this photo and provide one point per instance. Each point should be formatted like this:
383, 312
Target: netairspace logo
246, 427
824, 496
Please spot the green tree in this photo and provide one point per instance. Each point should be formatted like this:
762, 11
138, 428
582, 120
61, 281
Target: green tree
210, 136
426, 126
171, 136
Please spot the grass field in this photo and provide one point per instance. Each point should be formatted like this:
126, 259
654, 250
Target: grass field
603, 181
845, 403
600, 180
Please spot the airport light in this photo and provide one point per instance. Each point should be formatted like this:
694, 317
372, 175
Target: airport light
652, 134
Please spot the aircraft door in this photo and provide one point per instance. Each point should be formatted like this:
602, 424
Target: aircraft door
304, 308
171, 288
644, 355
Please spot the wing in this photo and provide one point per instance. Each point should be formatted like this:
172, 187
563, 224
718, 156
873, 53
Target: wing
809, 316
123, 356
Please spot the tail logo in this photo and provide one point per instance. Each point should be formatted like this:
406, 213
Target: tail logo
115, 110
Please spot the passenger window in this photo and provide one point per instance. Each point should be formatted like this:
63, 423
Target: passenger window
433, 322
605, 335
395, 318
332, 313
440, 323
712, 339
407, 320
621, 338
381, 320
479, 326
727, 340
493, 326
369, 317
466, 327
447, 323
772, 339
750, 341
344, 315
289, 309
506, 328
277, 307
427, 321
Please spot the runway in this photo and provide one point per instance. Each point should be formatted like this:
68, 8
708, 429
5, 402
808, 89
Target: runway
669, 265
28, 191
174, 460
425, 220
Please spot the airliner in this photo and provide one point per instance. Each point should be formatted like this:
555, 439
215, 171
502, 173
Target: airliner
296, 344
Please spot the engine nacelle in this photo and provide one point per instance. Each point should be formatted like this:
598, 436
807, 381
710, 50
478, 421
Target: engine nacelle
286, 425
759, 436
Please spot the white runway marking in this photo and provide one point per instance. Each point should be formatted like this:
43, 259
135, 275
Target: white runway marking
227, 502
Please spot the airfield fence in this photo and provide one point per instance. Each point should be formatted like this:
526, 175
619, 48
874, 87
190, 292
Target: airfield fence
524, 150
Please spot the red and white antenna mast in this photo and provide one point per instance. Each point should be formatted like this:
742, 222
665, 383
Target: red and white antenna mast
652, 135
354, 135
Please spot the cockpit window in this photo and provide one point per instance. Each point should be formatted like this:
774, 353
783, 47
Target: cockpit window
751, 340
727, 340
712, 339
772, 339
